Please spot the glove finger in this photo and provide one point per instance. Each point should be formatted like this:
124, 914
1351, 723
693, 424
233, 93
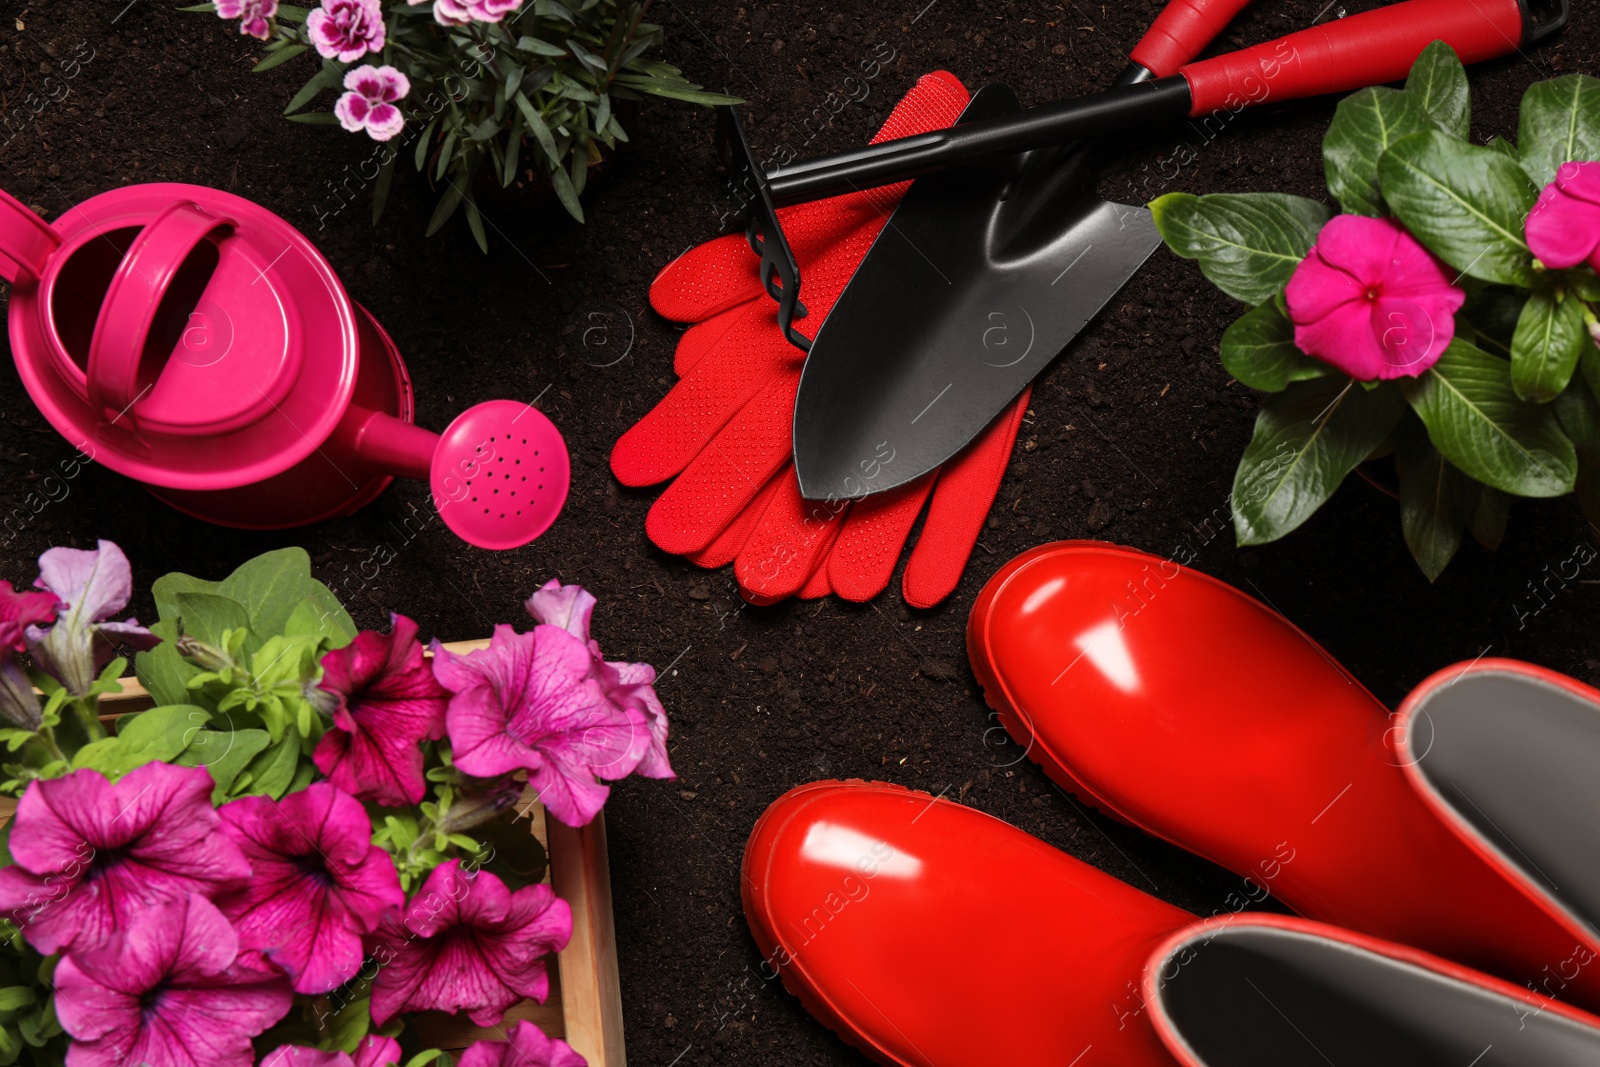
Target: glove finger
749, 357
817, 585
725, 548
707, 279
863, 559
966, 489
727, 475
789, 544
703, 338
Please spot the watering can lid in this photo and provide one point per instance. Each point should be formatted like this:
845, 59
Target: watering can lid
224, 350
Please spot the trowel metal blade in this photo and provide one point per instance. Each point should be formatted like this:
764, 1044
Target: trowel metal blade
981, 276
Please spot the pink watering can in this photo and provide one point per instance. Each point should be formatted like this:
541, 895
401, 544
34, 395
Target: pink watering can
201, 345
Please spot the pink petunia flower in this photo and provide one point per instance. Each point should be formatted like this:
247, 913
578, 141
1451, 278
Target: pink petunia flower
92, 856
252, 13
92, 586
461, 12
374, 1051
21, 610
319, 884
529, 701
627, 685
18, 704
170, 989
1564, 226
346, 30
467, 943
303, 1056
525, 1046
369, 103
388, 703
1372, 301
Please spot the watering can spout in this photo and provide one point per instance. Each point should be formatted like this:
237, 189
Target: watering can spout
499, 473
26, 242
387, 444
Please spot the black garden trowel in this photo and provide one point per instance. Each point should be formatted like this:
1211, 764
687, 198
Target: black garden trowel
997, 265
1002, 251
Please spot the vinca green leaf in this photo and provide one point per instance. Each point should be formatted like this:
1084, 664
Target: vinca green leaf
1464, 202
1560, 122
1247, 244
1436, 501
1438, 82
1307, 438
1545, 349
1475, 418
1259, 350
1364, 125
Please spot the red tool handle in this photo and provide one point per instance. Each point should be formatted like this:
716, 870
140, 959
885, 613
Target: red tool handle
116, 350
1181, 32
1352, 53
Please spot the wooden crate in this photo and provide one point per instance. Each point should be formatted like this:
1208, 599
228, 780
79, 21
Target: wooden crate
585, 1003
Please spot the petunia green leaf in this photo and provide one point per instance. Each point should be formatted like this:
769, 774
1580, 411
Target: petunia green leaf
273, 769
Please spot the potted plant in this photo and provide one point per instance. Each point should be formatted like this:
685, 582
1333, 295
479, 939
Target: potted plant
522, 92
1444, 317
304, 844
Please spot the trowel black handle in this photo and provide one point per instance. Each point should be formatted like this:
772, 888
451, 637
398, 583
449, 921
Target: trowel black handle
1351, 53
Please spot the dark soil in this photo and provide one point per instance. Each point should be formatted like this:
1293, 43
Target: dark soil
1133, 437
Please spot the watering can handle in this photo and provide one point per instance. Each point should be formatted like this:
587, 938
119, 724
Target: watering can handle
26, 241
116, 351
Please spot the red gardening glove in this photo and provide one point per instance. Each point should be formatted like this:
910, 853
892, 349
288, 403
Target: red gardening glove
725, 429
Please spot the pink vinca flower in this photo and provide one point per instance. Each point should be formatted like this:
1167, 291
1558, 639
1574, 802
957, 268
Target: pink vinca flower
388, 704
171, 989
91, 856
627, 685
1564, 226
253, 15
1372, 301
469, 944
369, 102
529, 702
92, 586
525, 1046
346, 30
374, 1051
319, 885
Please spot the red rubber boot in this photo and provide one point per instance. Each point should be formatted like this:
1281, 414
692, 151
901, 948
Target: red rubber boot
1180, 705
928, 934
